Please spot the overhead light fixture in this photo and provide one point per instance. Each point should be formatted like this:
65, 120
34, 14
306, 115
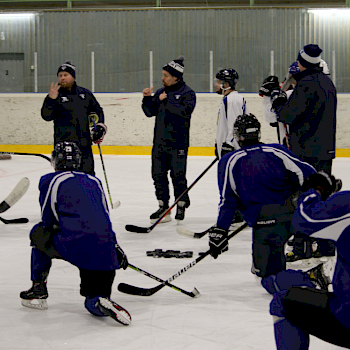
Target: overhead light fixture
16, 15
327, 12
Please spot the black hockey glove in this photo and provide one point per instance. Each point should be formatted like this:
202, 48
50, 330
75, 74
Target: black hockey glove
226, 148
278, 98
218, 242
99, 133
122, 259
322, 182
268, 85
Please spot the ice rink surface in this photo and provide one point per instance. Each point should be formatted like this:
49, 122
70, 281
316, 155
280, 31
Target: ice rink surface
232, 311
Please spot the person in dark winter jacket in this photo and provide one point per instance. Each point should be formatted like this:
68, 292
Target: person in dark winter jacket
75, 112
310, 111
172, 106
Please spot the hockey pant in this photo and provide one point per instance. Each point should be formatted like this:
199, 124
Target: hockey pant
270, 234
303, 311
166, 159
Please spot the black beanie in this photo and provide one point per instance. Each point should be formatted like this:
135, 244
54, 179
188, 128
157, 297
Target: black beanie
176, 67
68, 67
310, 56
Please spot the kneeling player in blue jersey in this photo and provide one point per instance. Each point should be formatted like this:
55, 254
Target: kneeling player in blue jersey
75, 227
260, 181
299, 309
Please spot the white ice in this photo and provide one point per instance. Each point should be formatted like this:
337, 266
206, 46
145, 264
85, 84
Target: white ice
232, 311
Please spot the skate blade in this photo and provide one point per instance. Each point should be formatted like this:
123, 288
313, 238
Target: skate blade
115, 311
39, 304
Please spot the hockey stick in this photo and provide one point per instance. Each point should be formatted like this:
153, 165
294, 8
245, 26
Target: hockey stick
285, 85
138, 229
14, 221
129, 289
28, 154
187, 233
116, 204
16, 194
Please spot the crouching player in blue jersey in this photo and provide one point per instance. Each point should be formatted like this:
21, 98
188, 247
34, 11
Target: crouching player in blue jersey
299, 309
75, 227
258, 180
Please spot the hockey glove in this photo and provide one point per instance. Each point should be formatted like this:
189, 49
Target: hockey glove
268, 85
122, 259
322, 182
218, 242
226, 148
99, 133
278, 98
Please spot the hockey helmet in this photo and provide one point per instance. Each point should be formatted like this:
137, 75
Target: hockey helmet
247, 129
229, 76
66, 156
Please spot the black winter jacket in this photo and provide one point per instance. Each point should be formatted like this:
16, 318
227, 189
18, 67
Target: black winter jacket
70, 113
173, 115
311, 115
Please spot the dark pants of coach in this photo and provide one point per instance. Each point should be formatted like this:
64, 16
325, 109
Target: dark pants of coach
166, 159
270, 233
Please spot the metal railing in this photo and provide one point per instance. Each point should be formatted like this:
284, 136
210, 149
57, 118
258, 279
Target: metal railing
158, 3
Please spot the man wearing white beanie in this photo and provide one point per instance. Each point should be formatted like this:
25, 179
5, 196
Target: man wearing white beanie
310, 111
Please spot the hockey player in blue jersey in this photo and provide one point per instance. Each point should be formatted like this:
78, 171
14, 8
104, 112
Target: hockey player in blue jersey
298, 308
258, 180
75, 227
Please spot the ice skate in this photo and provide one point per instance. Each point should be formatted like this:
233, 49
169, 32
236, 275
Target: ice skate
163, 207
180, 210
36, 296
112, 309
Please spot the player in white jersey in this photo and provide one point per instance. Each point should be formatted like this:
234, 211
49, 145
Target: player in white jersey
232, 105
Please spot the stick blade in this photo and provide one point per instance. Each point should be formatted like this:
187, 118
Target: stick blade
133, 290
137, 229
16, 194
187, 233
14, 221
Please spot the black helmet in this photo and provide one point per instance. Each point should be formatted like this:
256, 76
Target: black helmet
247, 129
66, 156
228, 75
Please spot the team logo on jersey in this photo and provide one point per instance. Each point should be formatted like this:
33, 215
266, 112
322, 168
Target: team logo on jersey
64, 99
82, 96
181, 152
177, 96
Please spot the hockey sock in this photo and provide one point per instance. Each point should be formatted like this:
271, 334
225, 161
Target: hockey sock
91, 305
290, 337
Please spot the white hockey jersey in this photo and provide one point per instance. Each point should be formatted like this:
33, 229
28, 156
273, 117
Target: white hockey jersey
232, 105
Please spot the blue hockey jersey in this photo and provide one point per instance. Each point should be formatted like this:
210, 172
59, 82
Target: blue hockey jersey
257, 175
76, 202
330, 219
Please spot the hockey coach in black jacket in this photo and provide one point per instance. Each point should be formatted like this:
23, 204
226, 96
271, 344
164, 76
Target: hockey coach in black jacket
310, 111
72, 107
172, 106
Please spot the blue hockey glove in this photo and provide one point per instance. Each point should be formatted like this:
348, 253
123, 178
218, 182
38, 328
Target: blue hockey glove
122, 258
218, 242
